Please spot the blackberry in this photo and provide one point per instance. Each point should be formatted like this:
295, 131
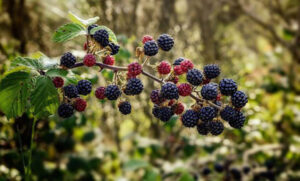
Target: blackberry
114, 48
218, 167
125, 107
156, 111
112, 92
228, 113
58, 82
109, 60
71, 91
186, 65
80, 104
102, 37
206, 171
215, 127
68, 60
178, 70
246, 169
169, 91
164, 68
65, 110
165, 114
178, 108
134, 69
194, 77
209, 92
202, 128
211, 71
155, 97
239, 99
178, 61
165, 42
89, 60
227, 87
207, 113
84, 87
147, 38
150, 48
99, 93
184, 89
90, 27
238, 121
134, 86
236, 173
190, 118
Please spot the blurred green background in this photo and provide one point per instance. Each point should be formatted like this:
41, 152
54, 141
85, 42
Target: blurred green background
255, 42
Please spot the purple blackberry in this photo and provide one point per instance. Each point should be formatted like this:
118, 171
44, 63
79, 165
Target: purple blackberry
238, 121
84, 87
134, 86
215, 127
246, 169
125, 107
112, 92
150, 48
165, 114
114, 48
218, 167
236, 174
165, 42
178, 61
70, 91
156, 97
194, 77
211, 71
207, 113
227, 87
190, 118
102, 37
65, 110
68, 60
202, 128
169, 91
209, 92
90, 27
156, 111
228, 113
239, 99
206, 171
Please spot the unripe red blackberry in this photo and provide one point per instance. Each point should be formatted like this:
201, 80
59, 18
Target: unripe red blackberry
80, 104
109, 60
99, 93
178, 70
239, 99
165, 42
169, 91
112, 92
150, 48
209, 92
134, 86
215, 127
89, 60
125, 107
65, 110
189, 118
68, 60
186, 65
134, 69
102, 37
194, 77
147, 38
227, 87
202, 128
178, 61
184, 89
155, 97
211, 71
58, 82
164, 67
178, 108
114, 48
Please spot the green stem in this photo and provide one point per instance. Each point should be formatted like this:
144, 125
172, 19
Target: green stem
28, 169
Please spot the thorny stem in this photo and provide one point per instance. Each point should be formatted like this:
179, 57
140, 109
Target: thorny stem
118, 68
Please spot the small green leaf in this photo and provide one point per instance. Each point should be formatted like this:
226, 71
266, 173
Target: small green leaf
151, 175
57, 72
84, 23
186, 177
14, 93
44, 98
112, 36
27, 62
67, 32
135, 164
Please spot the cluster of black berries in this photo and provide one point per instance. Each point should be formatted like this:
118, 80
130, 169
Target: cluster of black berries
165, 42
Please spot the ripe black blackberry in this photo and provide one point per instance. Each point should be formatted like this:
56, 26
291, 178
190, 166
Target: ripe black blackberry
165, 114
68, 60
209, 92
207, 113
190, 118
239, 99
90, 27
65, 110
134, 86
169, 91
206, 171
114, 48
70, 91
194, 77
228, 113
112, 92
165, 42
238, 121
102, 37
211, 71
84, 87
227, 87
246, 169
178, 61
202, 128
215, 127
218, 167
125, 107
150, 48
236, 174
156, 111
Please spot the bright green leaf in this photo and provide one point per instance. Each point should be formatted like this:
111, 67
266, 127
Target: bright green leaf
186, 177
44, 98
135, 164
112, 36
14, 93
84, 23
27, 62
57, 72
67, 32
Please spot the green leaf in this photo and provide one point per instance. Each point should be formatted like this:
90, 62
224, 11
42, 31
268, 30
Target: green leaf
14, 93
135, 164
112, 36
67, 32
27, 62
56, 72
84, 23
151, 175
44, 97
186, 177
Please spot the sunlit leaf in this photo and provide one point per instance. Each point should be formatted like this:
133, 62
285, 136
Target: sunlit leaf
57, 72
67, 32
135, 164
84, 23
27, 62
